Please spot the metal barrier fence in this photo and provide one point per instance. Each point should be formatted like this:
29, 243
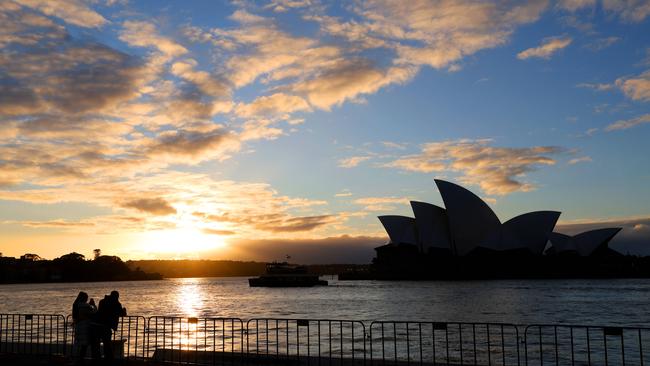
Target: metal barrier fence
306, 341
129, 340
33, 334
206, 341
585, 345
222, 341
444, 343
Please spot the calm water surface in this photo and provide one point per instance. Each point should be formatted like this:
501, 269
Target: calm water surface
599, 302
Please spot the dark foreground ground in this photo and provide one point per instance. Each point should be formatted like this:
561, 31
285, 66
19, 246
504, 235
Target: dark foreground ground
35, 360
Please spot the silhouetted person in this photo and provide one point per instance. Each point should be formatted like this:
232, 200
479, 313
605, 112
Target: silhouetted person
82, 314
108, 316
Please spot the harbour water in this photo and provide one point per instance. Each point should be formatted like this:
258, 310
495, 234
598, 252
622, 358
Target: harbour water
597, 302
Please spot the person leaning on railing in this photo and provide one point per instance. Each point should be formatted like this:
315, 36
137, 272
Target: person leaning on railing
108, 316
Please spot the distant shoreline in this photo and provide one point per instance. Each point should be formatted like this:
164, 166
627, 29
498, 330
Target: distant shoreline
74, 268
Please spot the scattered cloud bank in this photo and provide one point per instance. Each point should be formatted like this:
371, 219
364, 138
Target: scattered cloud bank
71, 11
573, 5
437, 34
628, 11
82, 120
122, 125
496, 170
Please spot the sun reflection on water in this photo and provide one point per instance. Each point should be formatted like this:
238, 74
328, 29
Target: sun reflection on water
190, 297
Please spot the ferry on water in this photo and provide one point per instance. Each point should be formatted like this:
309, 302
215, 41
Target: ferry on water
283, 274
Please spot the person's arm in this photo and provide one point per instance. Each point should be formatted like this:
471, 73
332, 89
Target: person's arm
121, 311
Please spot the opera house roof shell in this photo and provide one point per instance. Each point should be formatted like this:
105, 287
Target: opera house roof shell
468, 223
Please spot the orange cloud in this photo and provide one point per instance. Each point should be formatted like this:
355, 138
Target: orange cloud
546, 49
636, 88
497, 170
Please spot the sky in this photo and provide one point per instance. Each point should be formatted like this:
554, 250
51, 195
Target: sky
251, 130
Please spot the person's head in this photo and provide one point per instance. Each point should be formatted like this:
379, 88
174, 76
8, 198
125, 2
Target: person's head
82, 297
115, 295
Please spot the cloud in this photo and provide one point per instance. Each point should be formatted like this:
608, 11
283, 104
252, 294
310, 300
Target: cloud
272, 105
218, 232
636, 88
70, 11
630, 11
627, 10
265, 50
109, 224
441, 33
260, 129
168, 200
296, 224
497, 170
271, 222
602, 43
17, 99
348, 80
380, 203
197, 145
582, 159
596, 86
56, 224
280, 6
344, 193
548, 47
625, 124
18, 26
145, 34
352, 161
155, 206
203, 80
573, 5
393, 145
70, 77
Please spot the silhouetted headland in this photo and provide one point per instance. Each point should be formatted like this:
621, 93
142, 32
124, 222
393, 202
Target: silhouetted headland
74, 267
71, 267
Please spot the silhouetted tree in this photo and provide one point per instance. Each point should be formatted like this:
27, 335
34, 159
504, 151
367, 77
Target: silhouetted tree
97, 253
74, 256
110, 266
30, 257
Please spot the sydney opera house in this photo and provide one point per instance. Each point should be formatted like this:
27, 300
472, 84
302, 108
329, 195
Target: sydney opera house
468, 236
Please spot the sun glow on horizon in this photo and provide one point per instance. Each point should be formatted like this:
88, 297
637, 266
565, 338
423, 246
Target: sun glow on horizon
181, 241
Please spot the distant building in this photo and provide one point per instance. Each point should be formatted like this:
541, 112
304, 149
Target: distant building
467, 226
